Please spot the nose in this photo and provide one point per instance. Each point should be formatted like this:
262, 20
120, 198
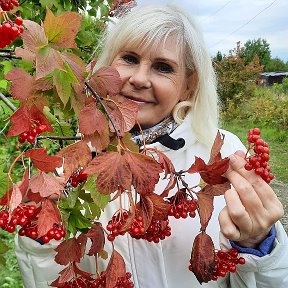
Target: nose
140, 77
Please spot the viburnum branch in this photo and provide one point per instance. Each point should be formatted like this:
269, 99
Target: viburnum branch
59, 138
142, 134
7, 102
8, 54
98, 98
12, 165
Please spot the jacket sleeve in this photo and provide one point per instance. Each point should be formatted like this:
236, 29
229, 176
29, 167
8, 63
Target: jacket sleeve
263, 272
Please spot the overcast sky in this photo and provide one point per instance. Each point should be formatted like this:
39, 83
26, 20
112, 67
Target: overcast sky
224, 22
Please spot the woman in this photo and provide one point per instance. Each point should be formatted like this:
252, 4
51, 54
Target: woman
166, 69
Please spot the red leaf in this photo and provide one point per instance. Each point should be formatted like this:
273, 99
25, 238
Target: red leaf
96, 234
61, 30
68, 251
160, 206
15, 199
115, 269
205, 204
65, 275
34, 36
168, 168
38, 116
145, 171
82, 240
22, 83
202, 257
46, 185
42, 161
215, 154
217, 189
75, 155
34, 196
99, 141
212, 173
105, 81
123, 114
48, 216
112, 170
22, 186
20, 121
145, 209
91, 120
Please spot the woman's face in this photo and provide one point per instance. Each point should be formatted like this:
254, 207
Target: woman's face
155, 79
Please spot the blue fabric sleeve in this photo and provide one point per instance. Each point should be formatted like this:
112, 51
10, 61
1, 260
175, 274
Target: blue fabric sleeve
264, 248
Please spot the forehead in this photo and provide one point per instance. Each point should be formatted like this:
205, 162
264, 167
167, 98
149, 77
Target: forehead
157, 48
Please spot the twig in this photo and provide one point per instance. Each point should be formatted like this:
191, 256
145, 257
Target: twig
7, 102
59, 137
98, 98
8, 54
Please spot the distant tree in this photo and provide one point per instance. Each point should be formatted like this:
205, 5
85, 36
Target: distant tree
276, 64
236, 78
218, 56
259, 47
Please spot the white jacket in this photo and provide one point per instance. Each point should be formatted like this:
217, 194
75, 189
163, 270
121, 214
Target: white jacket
165, 264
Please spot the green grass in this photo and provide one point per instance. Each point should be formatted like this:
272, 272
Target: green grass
10, 276
277, 140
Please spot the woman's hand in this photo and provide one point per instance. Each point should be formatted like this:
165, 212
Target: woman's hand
251, 208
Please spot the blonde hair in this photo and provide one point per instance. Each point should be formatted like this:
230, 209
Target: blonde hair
151, 25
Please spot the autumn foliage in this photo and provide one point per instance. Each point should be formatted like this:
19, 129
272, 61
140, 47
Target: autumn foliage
118, 170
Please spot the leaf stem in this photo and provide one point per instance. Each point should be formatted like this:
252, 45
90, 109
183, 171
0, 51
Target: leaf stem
7, 102
98, 98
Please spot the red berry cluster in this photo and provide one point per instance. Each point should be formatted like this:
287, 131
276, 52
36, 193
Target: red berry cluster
10, 31
184, 208
20, 216
157, 230
32, 133
8, 5
259, 160
116, 226
30, 230
122, 282
77, 177
226, 262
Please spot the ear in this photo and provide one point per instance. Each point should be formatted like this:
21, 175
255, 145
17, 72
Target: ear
191, 86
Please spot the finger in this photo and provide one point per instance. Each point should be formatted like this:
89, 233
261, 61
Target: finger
227, 227
250, 182
237, 212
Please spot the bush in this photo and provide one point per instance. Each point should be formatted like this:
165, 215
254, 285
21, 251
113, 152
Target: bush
264, 108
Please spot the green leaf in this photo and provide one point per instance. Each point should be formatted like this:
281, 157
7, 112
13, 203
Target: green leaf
92, 211
2, 261
7, 66
3, 247
99, 199
72, 198
77, 221
3, 180
3, 84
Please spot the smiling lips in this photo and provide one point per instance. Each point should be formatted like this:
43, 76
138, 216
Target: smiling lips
136, 100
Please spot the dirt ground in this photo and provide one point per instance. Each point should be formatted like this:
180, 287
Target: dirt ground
281, 190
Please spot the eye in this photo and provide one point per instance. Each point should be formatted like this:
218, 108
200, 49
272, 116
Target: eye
130, 59
163, 67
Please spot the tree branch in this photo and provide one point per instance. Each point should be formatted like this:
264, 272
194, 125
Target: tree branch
98, 98
59, 137
8, 54
7, 102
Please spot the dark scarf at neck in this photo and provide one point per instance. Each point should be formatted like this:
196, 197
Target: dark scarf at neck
159, 133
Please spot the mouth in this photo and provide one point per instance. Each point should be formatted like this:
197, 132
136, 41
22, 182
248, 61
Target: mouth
139, 101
